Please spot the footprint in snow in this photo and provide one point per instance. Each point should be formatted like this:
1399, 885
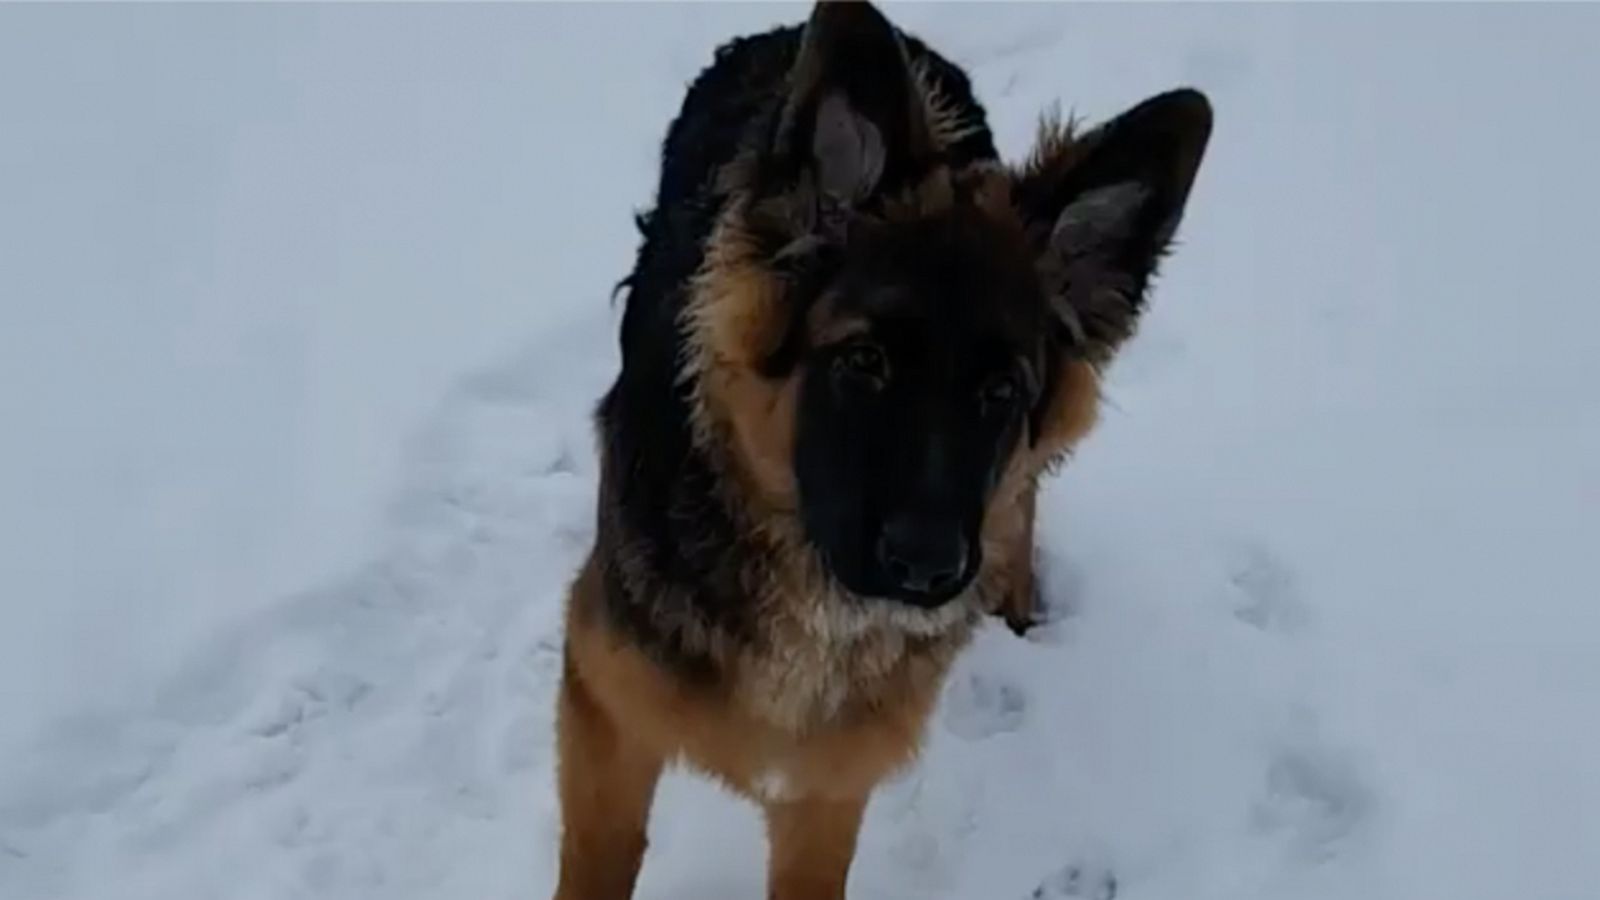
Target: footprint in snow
1313, 795
981, 705
1261, 590
303, 700
1077, 882
564, 463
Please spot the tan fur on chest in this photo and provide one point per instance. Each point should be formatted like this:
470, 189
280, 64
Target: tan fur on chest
827, 660
826, 702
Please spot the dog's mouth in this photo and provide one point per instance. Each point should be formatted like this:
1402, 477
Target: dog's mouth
924, 617
873, 587
932, 597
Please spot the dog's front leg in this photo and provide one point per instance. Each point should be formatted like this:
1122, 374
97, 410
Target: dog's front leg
812, 843
607, 783
1020, 606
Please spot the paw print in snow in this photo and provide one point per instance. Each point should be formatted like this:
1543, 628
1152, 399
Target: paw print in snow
1077, 883
1313, 795
1261, 590
982, 705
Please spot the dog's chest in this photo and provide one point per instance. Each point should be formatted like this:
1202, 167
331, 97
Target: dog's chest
797, 684
827, 663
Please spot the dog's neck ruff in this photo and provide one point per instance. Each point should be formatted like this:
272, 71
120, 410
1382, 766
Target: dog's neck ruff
824, 657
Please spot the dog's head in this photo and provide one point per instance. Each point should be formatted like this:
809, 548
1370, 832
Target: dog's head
896, 341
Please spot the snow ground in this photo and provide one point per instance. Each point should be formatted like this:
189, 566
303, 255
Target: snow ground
284, 543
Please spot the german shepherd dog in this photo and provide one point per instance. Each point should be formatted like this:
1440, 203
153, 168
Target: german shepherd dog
853, 341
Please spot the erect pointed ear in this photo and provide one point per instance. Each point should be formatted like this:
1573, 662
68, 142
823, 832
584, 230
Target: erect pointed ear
854, 118
1102, 209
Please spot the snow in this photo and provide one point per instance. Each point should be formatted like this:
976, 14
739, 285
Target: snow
305, 309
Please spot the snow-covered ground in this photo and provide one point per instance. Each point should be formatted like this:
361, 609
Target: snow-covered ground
303, 309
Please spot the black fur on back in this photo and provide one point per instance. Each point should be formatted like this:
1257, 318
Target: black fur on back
670, 539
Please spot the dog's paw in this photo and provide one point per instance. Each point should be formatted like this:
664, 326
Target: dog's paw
1024, 607
1022, 612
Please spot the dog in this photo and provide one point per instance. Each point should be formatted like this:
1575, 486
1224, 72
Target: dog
853, 342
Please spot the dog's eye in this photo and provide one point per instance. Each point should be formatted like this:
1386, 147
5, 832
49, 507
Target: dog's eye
1001, 392
866, 361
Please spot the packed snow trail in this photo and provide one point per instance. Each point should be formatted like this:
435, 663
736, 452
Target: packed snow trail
1321, 586
390, 734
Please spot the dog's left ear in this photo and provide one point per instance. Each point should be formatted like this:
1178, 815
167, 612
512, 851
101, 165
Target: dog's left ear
1102, 208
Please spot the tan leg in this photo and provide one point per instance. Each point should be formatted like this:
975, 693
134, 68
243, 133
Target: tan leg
812, 844
1020, 605
607, 783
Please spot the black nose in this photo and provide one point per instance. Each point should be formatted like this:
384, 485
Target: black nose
923, 555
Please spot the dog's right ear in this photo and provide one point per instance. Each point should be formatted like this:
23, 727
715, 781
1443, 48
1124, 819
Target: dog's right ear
854, 119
